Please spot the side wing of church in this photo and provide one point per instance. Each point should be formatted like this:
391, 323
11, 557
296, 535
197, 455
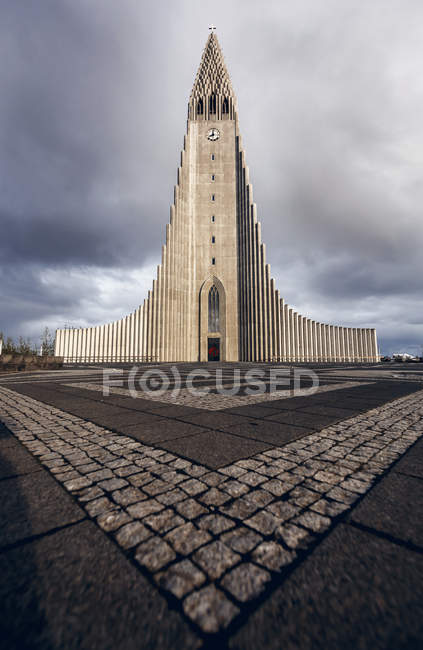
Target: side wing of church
214, 297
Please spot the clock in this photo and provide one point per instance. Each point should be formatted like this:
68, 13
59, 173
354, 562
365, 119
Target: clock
213, 135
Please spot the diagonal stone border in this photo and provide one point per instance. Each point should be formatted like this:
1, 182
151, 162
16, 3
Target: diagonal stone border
214, 401
215, 542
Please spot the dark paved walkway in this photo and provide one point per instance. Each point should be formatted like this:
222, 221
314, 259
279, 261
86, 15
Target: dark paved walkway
64, 583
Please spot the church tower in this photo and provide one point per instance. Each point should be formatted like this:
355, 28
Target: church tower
214, 298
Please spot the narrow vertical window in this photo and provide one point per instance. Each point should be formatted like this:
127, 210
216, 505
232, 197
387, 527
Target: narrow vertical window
200, 107
225, 106
212, 177
212, 197
213, 239
214, 325
213, 260
212, 219
212, 104
212, 156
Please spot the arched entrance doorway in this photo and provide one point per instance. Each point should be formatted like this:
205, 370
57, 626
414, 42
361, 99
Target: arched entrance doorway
212, 321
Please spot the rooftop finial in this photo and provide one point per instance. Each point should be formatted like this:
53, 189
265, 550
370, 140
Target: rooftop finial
212, 28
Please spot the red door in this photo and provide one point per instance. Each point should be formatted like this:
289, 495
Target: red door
214, 349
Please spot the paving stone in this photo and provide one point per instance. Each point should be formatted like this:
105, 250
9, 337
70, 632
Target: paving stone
312, 520
293, 536
246, 581
111, 521
113, 484
249, 464
77, 484
193, 487
215, 524
277, 487
132, 534
235, 488
259, 497
100, 475
171, 497
355, 486
157, 487
128, 470
128, 495
90, 493
163, 521
144, 508
138, 480
344, 496
86, 469
213, 478
264, 522
210, 609
273, 556
283, 510
233, 470
186, 538
252, 478
99, 506
181, 578
215, 559
154, 554
242, 539
173, 477
67, 476
303, 497
326, 477
329, 508
240, 509
214, 497
190, 508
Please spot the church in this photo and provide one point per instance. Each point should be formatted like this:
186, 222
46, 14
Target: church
214, 298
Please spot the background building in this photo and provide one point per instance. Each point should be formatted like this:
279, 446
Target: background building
214, 298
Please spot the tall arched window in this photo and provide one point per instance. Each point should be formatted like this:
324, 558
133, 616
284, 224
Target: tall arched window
214, 310
225, 106
212, 104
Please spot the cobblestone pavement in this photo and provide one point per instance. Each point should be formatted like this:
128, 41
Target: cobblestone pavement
215, 543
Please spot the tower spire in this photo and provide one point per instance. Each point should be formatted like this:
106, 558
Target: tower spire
212, 85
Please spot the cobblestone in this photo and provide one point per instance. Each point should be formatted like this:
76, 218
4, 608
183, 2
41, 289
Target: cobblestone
210, 609
190, 508
242, 540
186, 538
215, 523
264, 522
163, 521
132, 534
111, 521
181, 578
215, 559
154, 554
246, 581
273, 556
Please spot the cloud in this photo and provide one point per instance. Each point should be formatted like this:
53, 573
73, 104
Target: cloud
93, 103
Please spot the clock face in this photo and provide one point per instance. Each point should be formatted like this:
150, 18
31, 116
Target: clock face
213, 135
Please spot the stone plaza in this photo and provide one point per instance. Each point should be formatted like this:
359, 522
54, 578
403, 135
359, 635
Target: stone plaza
289, 519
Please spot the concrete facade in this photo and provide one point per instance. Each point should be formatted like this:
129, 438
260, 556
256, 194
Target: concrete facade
214, 296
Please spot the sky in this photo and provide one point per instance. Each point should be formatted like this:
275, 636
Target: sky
93, 105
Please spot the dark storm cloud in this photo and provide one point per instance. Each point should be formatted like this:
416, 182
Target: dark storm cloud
92, 115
